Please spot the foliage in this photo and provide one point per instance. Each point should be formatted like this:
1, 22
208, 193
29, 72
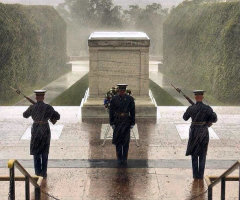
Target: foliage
201, 48
86, 16
150, 20
32, 47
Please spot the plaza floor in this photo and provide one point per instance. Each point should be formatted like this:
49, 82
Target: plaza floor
81, 168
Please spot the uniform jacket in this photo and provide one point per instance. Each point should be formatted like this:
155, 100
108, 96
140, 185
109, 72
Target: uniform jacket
201, 116
40, 132
122, 115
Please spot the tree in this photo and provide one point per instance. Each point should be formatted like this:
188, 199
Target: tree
150, 20
86, 16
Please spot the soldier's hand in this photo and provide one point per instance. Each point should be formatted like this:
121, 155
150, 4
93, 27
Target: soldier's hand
54, 121
209, 124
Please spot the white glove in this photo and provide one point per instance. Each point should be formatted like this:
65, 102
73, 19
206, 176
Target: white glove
113, 127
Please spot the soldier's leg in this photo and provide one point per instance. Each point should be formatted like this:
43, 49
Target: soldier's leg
202, 161
44, 164
37, 164
125, 151
126, 147
119, 152
195, 166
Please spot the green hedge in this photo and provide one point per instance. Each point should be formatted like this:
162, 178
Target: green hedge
202, 48
32, 47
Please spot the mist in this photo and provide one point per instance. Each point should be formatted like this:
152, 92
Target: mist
123, 3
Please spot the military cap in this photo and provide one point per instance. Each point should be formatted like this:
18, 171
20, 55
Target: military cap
198, 92
40, 92
122, 86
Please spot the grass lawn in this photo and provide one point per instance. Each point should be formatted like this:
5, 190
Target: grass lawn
73, 95
161, 97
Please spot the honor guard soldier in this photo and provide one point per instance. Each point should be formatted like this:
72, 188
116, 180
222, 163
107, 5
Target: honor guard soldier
202, 117
40, 132
122, 119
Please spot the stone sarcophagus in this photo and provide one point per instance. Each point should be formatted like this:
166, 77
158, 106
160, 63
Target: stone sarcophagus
118, 57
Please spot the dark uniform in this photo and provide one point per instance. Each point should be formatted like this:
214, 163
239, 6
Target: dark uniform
202, 115
40, 134
122, 118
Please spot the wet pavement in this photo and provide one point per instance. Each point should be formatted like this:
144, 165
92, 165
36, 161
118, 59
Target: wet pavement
122, 183
80, 168
132, 163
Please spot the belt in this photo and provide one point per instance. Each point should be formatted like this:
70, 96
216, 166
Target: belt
122, 114
40, 122
199, 123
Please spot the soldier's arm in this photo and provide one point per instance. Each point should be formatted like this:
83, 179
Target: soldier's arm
54, 115
132, 112
186, 115
111, 113
212, 116
28, 112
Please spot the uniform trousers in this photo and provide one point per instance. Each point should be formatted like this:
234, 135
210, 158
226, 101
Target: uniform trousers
198, 165
40, 164
122, 151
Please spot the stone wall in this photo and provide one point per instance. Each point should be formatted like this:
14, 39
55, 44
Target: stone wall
118, 61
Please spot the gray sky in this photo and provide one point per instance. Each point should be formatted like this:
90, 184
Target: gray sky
123, 3
36, 2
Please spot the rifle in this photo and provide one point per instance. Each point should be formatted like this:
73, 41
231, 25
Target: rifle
53, 121
189, 100
20, 93
181, 92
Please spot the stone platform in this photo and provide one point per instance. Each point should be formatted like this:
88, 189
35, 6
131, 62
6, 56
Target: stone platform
80, 168
118, 57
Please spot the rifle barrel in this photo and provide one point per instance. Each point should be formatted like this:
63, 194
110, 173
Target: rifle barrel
174, 87
185, 96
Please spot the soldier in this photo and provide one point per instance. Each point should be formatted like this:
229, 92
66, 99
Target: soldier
40, 132
122, 119
202, 117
